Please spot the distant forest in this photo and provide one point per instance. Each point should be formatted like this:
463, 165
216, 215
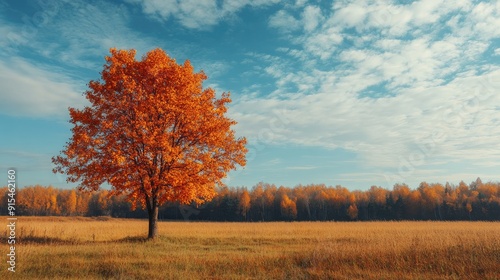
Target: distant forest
267, 202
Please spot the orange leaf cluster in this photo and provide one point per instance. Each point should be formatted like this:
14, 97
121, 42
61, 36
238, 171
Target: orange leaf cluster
151, 132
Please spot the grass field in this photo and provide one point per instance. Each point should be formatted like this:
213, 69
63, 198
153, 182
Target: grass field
87, 248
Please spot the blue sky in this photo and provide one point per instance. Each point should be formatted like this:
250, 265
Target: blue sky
356, 93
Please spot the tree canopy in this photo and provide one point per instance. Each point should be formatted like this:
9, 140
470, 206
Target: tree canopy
151, 132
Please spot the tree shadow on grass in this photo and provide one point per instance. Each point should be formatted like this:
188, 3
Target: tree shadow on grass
132, 239
46, 240
53, 240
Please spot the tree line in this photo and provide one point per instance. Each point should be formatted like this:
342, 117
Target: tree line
267, 202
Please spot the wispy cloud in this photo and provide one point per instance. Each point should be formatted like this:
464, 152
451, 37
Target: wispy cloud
33, 168
88, 31
425, 81
197, 14
28, 90
29, 161
284, 21
273, 162
301, 167
71, 36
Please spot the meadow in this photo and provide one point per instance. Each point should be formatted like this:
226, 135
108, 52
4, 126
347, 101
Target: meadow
108, 248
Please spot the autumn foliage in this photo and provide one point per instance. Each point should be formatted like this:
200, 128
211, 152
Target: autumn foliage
266, 202
152, 133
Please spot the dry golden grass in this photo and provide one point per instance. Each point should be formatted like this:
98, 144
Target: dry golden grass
86, 248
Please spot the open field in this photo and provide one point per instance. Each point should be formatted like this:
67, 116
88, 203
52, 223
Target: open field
86, 248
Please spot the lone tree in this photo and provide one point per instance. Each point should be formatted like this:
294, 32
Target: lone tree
151, 132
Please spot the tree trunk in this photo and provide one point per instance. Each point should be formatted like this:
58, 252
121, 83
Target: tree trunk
152, 206
153, 225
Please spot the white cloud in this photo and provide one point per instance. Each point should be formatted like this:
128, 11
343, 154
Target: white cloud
323, 44
9, 36
383, 130
429, 55
284, 21
425, 60
197, 14
301, 167
300, 3
31, 91
311, 16
350, 15
75, 34
426, 11
84, 35
89, 31
485, 14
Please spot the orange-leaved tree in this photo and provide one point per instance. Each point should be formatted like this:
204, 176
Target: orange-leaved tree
151, 132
